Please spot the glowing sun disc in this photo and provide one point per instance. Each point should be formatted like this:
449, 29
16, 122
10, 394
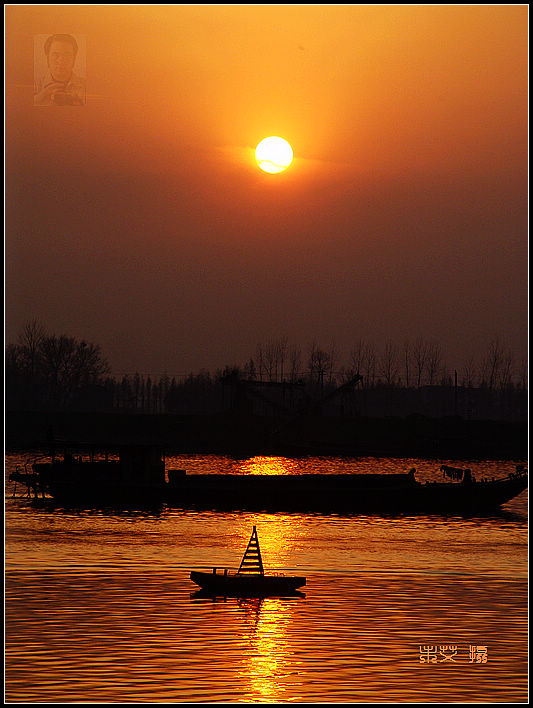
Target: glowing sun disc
273, 154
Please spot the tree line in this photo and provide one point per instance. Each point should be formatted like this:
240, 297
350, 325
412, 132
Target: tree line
413, 363
45, 370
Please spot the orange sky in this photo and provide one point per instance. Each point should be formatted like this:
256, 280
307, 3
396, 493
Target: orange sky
141, 222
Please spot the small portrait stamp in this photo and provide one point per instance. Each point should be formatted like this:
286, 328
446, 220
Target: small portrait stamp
59, 67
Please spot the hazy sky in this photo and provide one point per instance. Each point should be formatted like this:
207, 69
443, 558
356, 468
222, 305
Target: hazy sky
142, 223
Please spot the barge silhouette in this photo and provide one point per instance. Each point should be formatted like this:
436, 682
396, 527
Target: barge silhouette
343, 493
138, 479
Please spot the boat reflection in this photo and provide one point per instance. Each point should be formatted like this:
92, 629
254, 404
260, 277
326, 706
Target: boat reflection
207, 595
270, 670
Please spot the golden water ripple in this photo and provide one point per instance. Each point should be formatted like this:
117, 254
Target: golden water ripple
99, 607
125, 636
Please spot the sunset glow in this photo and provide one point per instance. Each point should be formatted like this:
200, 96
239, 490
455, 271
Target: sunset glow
407, 212
266, 353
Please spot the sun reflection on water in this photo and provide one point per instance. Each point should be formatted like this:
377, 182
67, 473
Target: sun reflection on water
278, 538
99, 608
270, 664
267, 465
269, 671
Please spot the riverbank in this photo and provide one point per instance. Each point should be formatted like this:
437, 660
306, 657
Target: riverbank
412, 436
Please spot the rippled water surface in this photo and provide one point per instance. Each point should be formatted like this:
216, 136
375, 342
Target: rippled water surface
100, 608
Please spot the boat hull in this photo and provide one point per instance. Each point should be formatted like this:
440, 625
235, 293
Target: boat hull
235, 585
98, 484
349, 494
116, 496
135, 482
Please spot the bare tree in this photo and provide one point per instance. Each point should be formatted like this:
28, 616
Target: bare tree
333, 356
492, 364
420, 355
406, 351
250, 370
274, 356
260, 361
522, 374
312, 361
56, 357
13, 358
148, 394
370, 366
506, 373
164, 386
136, 389
363, 362
88, 365
434, 362
388, 363
270, 355
468, 373
295, 363
320, 364
282, 353
357, 356
67, 365
31, 340
48, 369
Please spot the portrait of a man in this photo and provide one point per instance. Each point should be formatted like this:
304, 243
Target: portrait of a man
59, 84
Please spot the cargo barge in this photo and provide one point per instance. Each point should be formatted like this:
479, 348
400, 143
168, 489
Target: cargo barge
137, 478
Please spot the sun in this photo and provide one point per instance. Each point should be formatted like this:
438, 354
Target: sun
273, 154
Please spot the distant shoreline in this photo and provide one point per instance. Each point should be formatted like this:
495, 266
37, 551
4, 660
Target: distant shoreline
247, 436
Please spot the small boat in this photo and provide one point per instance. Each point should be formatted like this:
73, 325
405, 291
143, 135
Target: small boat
250, 580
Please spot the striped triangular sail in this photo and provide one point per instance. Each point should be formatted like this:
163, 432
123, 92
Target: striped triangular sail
251, 560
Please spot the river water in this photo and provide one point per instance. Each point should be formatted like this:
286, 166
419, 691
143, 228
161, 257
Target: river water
100, 608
